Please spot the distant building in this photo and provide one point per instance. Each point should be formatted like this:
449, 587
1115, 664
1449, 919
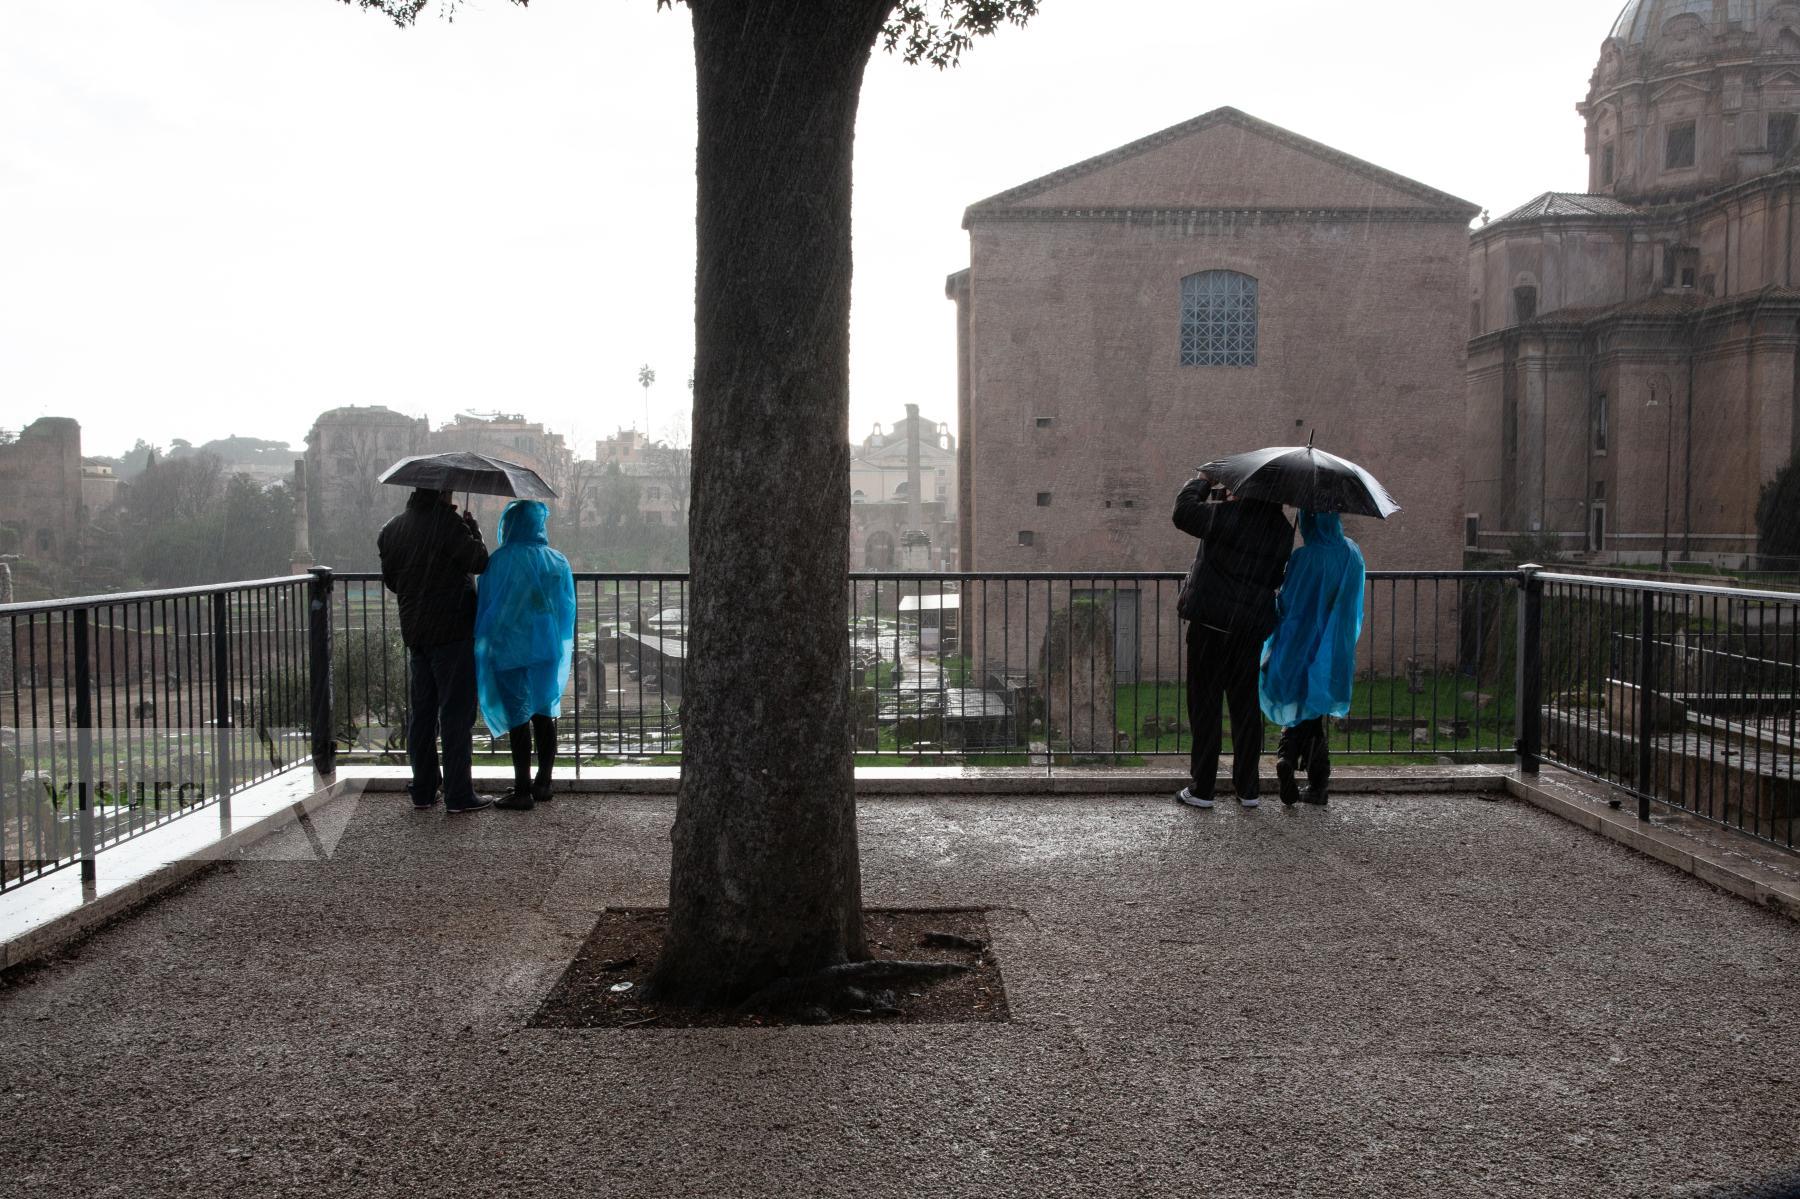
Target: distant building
660, 471
885, 468
1634, 363
99, 485
1219, 286
347, 449
878, 465
503, 435
41, 482
512, 437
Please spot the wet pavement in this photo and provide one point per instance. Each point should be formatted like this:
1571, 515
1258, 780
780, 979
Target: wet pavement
1416, 995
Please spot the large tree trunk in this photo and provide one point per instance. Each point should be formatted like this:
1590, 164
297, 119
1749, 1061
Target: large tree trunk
765, 881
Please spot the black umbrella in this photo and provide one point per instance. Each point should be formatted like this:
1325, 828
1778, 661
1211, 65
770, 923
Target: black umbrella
1303, 477
465, 472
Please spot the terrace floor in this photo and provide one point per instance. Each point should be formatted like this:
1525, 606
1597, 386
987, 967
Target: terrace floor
1409, 994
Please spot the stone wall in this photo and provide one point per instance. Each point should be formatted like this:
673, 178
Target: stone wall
41, 508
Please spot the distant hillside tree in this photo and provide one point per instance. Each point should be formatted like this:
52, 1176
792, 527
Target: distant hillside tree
133, 461
185, 522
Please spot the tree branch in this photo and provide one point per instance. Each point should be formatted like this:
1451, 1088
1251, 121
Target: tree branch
915, 33
406, 12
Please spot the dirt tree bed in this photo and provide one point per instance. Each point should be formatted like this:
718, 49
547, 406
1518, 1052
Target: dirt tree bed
625, 941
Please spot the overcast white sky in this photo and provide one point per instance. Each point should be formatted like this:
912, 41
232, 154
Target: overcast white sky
223, 216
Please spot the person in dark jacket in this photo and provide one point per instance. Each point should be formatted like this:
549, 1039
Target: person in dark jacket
429, 556
1246, 548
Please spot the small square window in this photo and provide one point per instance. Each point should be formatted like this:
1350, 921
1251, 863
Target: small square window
1043, 422
1027, 537
1679, 153
1128, 504
1043, 498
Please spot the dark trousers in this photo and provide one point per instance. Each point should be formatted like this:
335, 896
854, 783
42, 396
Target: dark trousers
443, 705
1223, 664
541, 729
1305, 745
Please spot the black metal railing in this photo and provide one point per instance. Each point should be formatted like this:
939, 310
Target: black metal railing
119, 713
1682, 695
987, 669
622, 701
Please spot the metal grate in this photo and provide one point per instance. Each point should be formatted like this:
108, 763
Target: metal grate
1218, 319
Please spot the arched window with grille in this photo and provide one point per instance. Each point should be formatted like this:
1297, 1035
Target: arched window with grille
1218, 319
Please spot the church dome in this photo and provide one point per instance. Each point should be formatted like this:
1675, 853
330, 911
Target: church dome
1645, 21
1693, 95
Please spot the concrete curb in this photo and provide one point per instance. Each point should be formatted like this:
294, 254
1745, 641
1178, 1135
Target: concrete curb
1765, 875
919, 781
120, 901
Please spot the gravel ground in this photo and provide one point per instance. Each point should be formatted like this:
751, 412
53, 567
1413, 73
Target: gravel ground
1397, 995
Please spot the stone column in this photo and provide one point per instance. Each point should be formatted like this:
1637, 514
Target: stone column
302, 559
915, 543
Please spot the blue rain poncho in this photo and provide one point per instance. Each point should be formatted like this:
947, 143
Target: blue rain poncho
1309, 665
524, 623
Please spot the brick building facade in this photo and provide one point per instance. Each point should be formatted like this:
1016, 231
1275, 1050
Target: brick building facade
1632, 368
1218, 286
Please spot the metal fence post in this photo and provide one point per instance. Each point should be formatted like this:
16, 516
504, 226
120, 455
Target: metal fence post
222, 722
1528, 694
318, 635
1646, 707
84, 738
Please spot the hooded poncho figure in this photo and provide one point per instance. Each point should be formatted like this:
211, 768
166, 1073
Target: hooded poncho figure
524, 643
1309, 665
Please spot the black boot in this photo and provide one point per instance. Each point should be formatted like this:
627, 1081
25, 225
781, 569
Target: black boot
1284, 775
1287, 756
517, 800
520, 799
1318, 770
543, 732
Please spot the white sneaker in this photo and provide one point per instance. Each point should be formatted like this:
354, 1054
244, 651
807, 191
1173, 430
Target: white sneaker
1249, 801
1187, 796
